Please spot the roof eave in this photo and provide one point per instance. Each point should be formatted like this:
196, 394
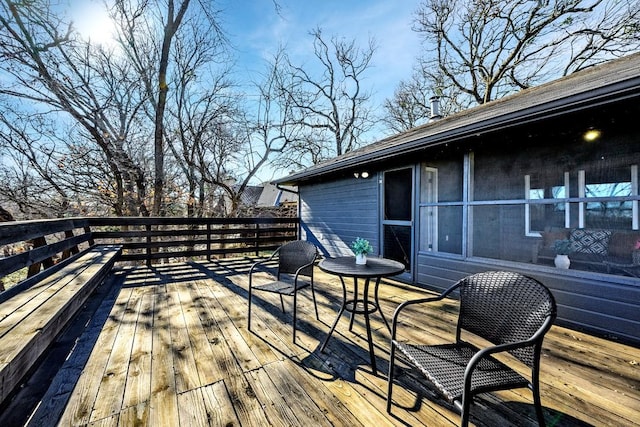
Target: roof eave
432, 134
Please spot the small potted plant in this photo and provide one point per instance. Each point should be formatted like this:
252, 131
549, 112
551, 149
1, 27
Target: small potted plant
361, 247
563, 249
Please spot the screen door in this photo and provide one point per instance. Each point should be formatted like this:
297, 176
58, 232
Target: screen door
397, 222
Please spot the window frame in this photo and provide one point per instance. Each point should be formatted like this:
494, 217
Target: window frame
528, 202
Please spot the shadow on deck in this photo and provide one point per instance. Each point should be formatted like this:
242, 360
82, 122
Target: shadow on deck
169, 346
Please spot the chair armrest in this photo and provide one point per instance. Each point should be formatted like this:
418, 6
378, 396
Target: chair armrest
501, 348
309, 264
264, 261
408, 303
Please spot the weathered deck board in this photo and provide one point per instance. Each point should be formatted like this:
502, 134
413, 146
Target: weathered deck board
163, 400
175, 350
82, 401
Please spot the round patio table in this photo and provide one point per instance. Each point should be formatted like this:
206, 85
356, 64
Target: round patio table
375, 268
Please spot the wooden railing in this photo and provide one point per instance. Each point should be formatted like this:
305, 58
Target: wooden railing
41, 244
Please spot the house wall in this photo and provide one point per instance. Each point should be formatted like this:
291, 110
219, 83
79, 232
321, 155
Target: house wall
333, 214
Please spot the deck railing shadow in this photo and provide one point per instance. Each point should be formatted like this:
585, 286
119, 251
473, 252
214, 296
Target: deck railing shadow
222, 272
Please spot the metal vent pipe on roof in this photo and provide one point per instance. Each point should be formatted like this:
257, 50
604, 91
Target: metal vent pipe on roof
435, 108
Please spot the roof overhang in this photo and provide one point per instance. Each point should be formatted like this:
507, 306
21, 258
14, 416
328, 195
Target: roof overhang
608, 83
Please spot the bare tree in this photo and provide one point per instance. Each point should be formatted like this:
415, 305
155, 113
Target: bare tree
265, 131
333, 105
138, 31
48, 67
411, 102
201, 108
409, 106
148, 33
489, 48
29, 168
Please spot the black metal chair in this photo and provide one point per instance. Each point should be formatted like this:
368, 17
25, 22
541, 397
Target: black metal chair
295, 259
511, 311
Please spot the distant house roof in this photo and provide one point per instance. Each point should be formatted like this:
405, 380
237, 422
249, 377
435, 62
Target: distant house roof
251, 195
599, 85
274, 196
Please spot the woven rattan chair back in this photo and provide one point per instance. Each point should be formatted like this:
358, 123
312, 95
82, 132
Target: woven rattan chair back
294, 255
504, 307
295, 259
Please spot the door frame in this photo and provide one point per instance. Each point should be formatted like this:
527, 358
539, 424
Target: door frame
407, 275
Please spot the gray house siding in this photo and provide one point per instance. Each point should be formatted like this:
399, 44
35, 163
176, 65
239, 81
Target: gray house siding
333, 214
508, 175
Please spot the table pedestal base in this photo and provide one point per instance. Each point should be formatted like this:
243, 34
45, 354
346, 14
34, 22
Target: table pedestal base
359, 306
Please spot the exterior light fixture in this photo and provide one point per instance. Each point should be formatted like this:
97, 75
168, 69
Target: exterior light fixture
591, 135
363, 175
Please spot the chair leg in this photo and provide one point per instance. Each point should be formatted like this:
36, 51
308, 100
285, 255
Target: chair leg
281, 303
294, 314
464, 413
537, 403
390, 376
249, 315
315, 305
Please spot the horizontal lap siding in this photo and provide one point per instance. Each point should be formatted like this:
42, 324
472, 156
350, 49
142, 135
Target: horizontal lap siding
604, 305
333, 214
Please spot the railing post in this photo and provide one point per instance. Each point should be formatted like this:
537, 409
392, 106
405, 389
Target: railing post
87, 229
208, 241
148, 228
257, 239
72, 250
35, 267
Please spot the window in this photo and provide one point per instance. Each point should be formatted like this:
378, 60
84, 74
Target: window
544, 212
608, 199
440, 208
510, 206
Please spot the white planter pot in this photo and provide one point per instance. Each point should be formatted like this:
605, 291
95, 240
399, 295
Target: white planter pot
361, 259
562, 261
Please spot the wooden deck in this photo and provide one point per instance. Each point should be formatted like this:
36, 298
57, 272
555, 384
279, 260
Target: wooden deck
169, 346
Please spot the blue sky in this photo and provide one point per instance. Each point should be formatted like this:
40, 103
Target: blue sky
255, 30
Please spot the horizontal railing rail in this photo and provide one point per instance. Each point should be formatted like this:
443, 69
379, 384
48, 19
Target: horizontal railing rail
40, 244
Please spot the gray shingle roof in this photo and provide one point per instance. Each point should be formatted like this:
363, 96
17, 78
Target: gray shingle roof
598, 85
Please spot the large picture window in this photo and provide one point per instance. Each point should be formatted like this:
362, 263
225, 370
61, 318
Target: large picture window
512, 207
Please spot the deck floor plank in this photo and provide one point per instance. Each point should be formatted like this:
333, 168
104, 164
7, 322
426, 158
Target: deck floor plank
164, 399
222, 332
220, 410
114, 379
83, 399
138, 382
184, 359
202, 351
179, 334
